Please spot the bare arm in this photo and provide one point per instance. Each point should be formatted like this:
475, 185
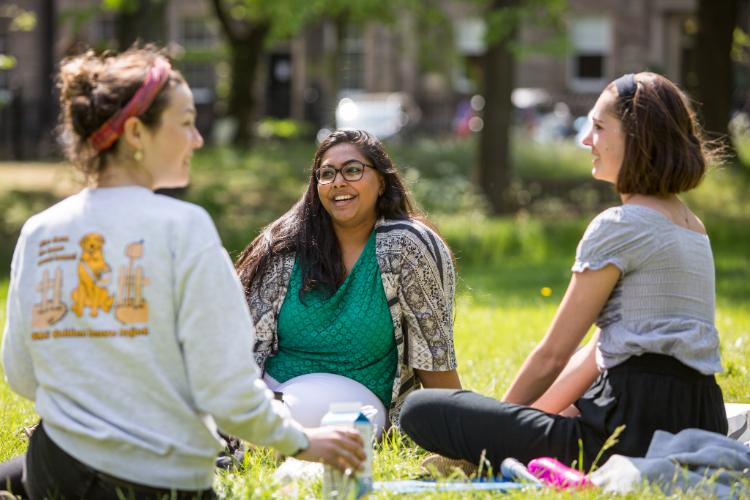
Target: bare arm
576, 377
587, 293
439, 380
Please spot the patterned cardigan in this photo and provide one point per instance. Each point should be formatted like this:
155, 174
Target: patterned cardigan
419, 283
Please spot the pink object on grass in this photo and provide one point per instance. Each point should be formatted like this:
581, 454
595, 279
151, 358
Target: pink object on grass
554, 473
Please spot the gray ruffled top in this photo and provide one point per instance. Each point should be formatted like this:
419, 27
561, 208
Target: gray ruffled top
665, 299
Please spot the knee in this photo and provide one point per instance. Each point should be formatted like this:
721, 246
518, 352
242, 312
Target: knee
420, 408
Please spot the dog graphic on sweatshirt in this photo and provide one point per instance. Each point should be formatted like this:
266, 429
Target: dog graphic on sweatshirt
93, 276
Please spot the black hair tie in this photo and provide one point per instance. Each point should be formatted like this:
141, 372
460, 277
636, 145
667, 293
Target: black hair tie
626, 87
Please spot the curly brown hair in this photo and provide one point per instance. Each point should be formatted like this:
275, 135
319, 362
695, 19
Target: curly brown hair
93, 88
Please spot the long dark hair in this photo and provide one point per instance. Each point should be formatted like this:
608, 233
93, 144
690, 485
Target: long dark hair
306, 229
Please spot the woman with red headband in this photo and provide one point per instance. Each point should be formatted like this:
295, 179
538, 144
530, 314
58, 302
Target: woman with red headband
126, 321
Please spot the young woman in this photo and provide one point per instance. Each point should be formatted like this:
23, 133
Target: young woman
644, 274
350, 291
126, 321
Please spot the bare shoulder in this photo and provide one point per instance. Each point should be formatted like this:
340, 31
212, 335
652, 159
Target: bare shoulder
696, 224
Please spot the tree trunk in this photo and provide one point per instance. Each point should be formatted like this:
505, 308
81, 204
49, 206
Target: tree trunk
714, 68
498, 74
48, 102
245, 57
146, 21
246, 39
333, 60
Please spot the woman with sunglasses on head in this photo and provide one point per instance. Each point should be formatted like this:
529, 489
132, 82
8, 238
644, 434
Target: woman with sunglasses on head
126, 321
350, 291
644, 274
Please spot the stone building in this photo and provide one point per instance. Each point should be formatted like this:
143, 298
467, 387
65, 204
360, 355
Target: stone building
435, 62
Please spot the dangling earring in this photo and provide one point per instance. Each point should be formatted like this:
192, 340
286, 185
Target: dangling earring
138, 155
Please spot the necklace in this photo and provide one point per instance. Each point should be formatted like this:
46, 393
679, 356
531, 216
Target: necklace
685, 213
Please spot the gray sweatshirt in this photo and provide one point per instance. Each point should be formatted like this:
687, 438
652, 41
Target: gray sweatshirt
127, 325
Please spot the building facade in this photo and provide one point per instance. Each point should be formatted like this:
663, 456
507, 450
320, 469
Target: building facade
435, 61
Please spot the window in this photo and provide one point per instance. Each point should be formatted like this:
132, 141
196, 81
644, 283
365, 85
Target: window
107, 28
352, 58
197, 33
469, 34
201, 78
592, 40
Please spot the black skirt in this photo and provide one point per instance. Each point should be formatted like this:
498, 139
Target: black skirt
647, 393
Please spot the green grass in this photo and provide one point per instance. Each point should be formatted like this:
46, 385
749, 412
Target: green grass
500, 315
15, 412
502, 263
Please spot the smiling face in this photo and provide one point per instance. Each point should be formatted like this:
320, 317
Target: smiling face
606, 140
350, 203
168, 148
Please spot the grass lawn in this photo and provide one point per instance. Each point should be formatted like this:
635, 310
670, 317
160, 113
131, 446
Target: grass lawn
500, 314
503, 264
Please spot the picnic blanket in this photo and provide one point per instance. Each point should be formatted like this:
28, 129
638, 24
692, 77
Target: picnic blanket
738, 417
703, 461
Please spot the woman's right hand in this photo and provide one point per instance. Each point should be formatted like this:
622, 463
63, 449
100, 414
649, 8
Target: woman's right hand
340, 447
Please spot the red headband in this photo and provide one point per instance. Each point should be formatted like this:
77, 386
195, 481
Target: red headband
111, 130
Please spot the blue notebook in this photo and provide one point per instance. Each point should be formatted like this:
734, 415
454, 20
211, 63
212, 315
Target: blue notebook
424, 486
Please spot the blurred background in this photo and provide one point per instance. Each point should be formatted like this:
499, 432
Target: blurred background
480, 102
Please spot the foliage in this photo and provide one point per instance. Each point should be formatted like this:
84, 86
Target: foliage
21, 20
289, 17
504, 17
76, 18
284, 128
7, 62
740, 46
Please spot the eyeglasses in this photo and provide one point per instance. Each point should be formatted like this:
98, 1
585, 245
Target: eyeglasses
352, 171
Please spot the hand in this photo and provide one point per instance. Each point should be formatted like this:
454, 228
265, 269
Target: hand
340, 447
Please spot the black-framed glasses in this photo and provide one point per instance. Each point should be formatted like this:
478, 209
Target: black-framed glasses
352, 171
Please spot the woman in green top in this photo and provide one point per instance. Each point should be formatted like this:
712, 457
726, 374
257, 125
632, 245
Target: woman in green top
351, 292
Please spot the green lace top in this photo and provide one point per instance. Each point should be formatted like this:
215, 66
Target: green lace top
349, 333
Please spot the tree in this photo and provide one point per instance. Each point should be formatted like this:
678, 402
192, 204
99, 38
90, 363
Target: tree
498, 78
249, 25
714, 66
48, 105
246, 35
19, 19
135, 20
504, 18
144, 20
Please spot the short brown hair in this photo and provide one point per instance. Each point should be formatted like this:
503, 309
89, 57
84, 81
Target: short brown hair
93, 88
665, 152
